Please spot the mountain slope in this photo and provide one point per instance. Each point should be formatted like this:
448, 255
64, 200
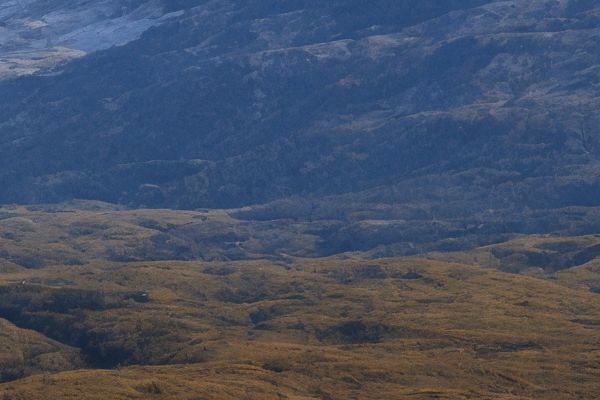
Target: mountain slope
449, 110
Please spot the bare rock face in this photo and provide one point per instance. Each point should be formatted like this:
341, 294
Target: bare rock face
38, 35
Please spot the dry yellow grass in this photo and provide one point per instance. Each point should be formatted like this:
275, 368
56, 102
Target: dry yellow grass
345, 327
24, 352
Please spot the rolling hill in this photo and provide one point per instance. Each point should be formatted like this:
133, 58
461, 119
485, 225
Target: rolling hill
348, 326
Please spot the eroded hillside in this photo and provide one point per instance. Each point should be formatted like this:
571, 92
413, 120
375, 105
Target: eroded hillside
39, 37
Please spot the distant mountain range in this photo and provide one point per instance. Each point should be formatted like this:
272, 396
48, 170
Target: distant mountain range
425, 111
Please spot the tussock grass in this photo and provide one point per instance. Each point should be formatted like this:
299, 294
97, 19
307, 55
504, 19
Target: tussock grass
331, 328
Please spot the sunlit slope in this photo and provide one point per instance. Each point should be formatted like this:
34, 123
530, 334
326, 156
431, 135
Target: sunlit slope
199, 304
330, 328
25, 352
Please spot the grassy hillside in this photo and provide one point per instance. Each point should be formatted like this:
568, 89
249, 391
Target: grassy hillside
25, 352
343, 327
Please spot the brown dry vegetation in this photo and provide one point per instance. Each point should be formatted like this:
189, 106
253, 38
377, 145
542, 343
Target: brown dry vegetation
155, 325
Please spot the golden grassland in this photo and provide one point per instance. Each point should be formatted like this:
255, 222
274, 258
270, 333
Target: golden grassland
344, 327
29, 352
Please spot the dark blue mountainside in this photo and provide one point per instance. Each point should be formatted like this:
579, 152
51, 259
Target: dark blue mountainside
465, 118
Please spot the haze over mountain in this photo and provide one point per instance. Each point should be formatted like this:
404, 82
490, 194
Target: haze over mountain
299, 199
411, 110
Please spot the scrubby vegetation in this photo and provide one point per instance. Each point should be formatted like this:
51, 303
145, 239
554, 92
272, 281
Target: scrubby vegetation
277, 326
